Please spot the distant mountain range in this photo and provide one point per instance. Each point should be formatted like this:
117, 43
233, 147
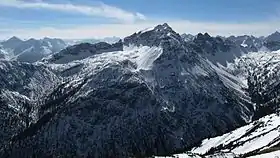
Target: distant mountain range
228, 48
31, 50
109, 40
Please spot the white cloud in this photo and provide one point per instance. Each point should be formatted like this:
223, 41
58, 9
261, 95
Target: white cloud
99, 9
130, 23
122, 30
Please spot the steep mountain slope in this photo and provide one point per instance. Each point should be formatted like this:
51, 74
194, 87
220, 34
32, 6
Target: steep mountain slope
260, 69
156, 96
252, 139
260, 138
21, 89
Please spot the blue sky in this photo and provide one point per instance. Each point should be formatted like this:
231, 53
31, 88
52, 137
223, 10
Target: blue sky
97, 19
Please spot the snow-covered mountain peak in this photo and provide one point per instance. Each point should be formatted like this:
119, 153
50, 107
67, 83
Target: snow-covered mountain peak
154, 36
162, 27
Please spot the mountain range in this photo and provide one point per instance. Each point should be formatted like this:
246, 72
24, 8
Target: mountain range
109, 40
31, 50
155, 92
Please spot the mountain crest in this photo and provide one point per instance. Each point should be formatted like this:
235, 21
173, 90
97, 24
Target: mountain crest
15, 39
164, 27
273, 37
153, 36
204, 36
12, 42
276, 32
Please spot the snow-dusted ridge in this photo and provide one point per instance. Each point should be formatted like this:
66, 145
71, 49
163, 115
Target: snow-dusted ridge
142, 56
254, 137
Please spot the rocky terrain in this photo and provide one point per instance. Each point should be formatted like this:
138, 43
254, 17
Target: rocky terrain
151, 93
260, 138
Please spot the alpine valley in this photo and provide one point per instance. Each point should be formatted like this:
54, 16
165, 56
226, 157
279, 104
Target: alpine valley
154, 93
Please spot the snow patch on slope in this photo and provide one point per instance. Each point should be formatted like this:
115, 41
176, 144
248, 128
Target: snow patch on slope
192, 155
244, 43
229, 80
253, 137
142, 56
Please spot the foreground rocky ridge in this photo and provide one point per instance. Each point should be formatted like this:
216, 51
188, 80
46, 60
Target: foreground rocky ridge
156, 96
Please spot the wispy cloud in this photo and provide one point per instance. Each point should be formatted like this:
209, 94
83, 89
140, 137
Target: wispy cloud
99, 9
122, 30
